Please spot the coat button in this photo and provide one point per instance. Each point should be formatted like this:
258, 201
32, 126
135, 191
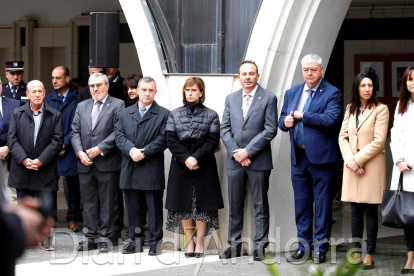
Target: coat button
139, 126
356, 134
357, 149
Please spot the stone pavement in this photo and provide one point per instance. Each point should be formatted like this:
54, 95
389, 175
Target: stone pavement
67, 261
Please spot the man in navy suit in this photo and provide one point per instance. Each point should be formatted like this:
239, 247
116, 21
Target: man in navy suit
15, 88
6, 108
311, 113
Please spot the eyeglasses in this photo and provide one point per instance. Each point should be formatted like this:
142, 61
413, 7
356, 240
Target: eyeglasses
97, 86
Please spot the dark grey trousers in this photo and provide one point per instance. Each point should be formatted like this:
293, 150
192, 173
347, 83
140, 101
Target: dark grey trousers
98, 190
259, 185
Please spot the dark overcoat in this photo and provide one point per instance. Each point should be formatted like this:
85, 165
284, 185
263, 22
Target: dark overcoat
143, 133
48, 145
67, 164
193, 133
8, 106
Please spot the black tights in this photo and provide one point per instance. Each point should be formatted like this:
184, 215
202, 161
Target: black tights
409, 238
371, 214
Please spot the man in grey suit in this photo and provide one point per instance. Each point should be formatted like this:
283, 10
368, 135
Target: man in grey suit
93, 139
249, 124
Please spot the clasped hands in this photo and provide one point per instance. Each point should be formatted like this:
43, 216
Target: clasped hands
242, 156
137, 155
32, 164
292, 118
4, 152
191, 163
90, 153
354, 167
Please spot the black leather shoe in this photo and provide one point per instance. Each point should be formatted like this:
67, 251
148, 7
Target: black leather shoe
228, 253
103, 247
130, 249
295, 257
319, 257
259, 254
154, 251
86, 246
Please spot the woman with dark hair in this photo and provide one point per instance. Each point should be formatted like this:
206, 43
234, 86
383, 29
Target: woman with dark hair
402, 148
362, 142
131, 89
193, 193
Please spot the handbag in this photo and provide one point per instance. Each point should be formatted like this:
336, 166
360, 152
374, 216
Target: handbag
397, 207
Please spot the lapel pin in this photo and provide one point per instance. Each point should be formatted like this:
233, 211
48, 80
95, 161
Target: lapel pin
320, 90
259, 98
107, 104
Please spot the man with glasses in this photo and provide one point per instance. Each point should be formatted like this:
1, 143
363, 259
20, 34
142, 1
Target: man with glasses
15, 88
99, 160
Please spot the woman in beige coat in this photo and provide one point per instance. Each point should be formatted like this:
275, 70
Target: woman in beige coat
362, 141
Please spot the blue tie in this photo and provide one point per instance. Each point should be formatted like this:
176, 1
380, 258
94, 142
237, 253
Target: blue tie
60, 102
142, 112
299, 133
14, 91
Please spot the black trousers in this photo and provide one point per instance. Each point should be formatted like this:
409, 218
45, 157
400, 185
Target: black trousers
73, 198
371, 215
409, 238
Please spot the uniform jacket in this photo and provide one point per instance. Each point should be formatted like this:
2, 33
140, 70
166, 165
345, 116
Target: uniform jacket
143, 133
320, 123
21, 91
194, 134
67, 164
254, 133
8, 106
366, 145
102, 135
48, 145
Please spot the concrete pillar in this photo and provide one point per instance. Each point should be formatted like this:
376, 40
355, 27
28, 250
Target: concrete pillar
284, 31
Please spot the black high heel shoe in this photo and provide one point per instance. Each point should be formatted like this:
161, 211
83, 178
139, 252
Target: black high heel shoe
189, 255
406, 271
198, 255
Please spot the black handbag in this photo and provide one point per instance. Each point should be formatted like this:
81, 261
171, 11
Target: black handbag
397, 210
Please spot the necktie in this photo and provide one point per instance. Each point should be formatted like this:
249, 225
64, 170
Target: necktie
96, 113
142, 111
246, 105
299, 133
1, 122
14, 91
60, 102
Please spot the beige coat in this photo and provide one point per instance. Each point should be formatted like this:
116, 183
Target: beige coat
366, 146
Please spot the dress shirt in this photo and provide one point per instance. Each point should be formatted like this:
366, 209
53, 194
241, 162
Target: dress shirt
251, 99
139, 109
37, 120
301, 104
95, 106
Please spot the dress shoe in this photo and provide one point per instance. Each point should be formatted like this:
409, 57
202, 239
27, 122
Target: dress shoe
228, 253
259, 254
103, 247
48, 246
295, 257
73, 226
154, 251
319, 257
130, 249
368, 267
189, 254
198, 255
86, 246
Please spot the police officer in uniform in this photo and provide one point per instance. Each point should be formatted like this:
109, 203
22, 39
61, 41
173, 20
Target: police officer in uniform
15, 88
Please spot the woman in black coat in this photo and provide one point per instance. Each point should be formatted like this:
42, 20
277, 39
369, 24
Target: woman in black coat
193, 193
131, 89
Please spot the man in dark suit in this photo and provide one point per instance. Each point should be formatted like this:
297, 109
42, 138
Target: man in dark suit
7, 106
311, 113
35, 140
64, 100
249, 124
15, 88
93, 139
141, 138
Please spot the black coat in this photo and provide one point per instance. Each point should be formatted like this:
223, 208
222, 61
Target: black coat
200, 142
48, 145
147, 133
